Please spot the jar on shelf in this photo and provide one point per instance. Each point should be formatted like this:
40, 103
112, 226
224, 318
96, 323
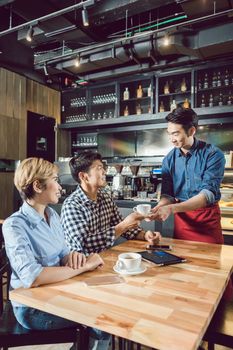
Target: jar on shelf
219, 81
229, 99
226, 79
214, 80
139, 91
126, 94
206, 81
220, 99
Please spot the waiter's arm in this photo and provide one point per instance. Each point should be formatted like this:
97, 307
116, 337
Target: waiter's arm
162, 212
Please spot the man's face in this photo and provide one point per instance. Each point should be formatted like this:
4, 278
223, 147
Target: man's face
96, 176
178, 136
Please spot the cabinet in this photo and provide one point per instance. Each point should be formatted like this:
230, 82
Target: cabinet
74, 106
136, 97
103, 102
214, 87
82, 141
174, 90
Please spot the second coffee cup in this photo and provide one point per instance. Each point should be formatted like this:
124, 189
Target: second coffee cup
129, 261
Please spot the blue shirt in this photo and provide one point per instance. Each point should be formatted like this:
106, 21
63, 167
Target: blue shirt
32, 244
200, 171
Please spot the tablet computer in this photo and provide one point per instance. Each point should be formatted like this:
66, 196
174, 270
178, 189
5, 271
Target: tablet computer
161, 258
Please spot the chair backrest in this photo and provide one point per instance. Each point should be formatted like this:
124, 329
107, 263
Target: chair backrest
5, 272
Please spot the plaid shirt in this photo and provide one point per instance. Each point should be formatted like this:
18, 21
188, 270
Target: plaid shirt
89, 226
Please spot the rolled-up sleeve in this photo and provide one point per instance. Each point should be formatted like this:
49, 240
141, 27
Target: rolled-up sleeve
213, 175
19, 251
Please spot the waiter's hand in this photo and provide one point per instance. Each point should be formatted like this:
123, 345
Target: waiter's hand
161, 213
152, 237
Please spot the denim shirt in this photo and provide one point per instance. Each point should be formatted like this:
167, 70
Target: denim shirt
200, 171
32, 244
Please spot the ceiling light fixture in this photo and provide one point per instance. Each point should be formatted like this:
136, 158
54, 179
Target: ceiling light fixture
77, 61
166, 40
45, 70
85, 17
30, 33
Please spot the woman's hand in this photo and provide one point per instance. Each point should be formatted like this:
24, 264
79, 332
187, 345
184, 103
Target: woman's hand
152, 237
93, 261
75, 260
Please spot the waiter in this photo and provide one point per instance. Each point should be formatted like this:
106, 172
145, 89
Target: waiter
191, 176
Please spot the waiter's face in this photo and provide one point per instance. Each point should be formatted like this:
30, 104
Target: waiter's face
178, 136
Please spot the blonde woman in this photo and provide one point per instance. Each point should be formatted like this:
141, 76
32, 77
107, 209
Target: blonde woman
36, 247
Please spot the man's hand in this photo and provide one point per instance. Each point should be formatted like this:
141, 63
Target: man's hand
76, 260
161, 213
152, 237
132, 220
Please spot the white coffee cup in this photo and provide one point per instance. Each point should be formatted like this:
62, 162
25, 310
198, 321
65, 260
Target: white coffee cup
129, 261
143, 209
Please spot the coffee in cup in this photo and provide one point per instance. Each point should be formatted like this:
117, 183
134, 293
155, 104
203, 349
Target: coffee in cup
143, 209
129, 261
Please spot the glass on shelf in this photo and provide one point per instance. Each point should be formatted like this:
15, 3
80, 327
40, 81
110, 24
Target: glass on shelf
211, 100
229, 99
202, 100
206, 81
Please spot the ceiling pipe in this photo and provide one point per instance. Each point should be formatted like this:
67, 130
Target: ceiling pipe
125, 40
49, 16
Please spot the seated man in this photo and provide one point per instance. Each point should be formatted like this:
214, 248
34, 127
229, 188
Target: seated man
90, 218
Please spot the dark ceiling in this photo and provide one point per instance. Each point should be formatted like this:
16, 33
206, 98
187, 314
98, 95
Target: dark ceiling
123, 36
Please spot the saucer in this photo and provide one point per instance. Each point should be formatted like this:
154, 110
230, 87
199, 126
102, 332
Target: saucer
129, 273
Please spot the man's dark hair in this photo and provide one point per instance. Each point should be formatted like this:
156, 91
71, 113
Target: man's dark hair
83, 162
184, 116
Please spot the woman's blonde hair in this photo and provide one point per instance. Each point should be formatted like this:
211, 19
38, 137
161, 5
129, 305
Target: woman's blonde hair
30, 170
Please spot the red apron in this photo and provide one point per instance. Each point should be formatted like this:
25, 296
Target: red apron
202, 225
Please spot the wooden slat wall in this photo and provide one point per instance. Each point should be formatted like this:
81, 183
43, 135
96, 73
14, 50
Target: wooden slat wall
43, 100
17, 96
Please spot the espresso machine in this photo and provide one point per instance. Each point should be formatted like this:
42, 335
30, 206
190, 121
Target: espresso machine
135, 180
118, 182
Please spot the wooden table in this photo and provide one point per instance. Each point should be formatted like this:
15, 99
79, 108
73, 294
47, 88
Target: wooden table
165, 307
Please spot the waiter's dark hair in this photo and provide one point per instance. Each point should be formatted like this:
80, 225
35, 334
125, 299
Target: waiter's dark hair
184, 116
83, 162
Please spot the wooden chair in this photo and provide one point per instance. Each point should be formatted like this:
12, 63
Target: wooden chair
220, 330
12, 334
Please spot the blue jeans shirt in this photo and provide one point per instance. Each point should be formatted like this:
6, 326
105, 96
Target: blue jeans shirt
200, 171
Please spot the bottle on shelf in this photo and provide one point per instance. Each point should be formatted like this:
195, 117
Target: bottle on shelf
199, 84
206, 81
202, 100
186, 103
126, 94
183, 86
220, 99
226, 79
138, 109
214, 80
139, 91
219, 81
229, 99
161, 107
126, 111
149, 109
166, 88
211, 100
173, 105
149, 91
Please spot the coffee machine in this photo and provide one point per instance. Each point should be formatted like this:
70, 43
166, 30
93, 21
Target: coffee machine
135, 180
118, 182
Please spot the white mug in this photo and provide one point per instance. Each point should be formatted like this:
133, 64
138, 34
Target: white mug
143, 209
129, 261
